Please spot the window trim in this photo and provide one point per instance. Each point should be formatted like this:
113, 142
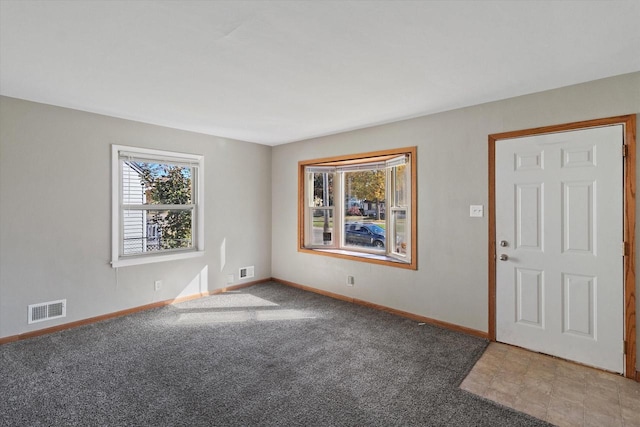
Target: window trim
117, 259
355, 159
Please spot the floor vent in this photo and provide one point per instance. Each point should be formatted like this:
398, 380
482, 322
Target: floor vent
246, 272
47, 311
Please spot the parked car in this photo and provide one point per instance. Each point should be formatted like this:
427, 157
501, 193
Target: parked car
364, 234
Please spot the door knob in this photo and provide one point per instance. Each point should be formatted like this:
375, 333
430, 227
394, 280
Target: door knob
504, 257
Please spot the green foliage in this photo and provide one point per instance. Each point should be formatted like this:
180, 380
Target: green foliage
368, 185
170, 185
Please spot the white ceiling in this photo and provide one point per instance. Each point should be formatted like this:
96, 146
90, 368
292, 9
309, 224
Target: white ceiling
273, 72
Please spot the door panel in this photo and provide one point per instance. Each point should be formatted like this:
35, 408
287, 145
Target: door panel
529, 216
559, 202
530, 304
577, 217
578, 293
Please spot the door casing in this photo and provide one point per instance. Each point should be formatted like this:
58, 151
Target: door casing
629, 223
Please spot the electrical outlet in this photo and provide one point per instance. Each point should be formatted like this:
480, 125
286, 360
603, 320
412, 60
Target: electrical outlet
158, 285
351, 281
476, 211
229, 279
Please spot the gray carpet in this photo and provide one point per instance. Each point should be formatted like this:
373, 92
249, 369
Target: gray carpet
268, 355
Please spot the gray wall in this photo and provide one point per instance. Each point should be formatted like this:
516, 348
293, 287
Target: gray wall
55, 214
451, 281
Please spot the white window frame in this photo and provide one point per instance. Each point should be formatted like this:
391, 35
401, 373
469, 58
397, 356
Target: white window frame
387, 161
391, 207
118, 259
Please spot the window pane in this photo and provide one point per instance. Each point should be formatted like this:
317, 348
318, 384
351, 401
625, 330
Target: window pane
322, 229
364, 193
399, 224
400, 179
154, 230
156, 183
322, 189
368, 234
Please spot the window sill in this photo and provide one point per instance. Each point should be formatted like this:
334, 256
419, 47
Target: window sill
362, 257
139, 260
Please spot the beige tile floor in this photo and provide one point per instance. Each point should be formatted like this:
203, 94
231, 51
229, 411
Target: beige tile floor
554, 390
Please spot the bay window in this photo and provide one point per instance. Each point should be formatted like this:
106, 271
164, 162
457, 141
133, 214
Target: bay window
360, 207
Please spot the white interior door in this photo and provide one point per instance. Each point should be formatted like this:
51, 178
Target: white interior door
559, 243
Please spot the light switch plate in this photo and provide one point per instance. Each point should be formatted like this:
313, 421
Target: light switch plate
476, 211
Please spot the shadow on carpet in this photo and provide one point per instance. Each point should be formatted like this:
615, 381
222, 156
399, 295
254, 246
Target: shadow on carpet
268, 355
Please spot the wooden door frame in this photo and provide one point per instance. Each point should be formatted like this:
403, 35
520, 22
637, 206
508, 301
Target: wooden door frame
629, 122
